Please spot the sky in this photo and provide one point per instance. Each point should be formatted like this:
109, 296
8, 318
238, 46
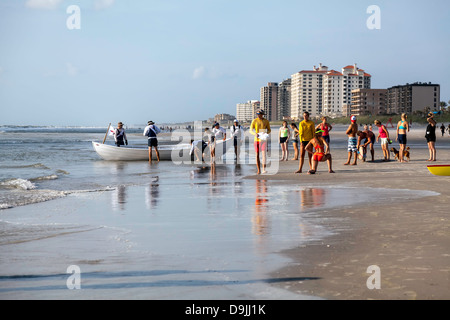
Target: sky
175, 61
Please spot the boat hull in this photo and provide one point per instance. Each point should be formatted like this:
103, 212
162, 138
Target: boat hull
178, 153
113, 153
443, 170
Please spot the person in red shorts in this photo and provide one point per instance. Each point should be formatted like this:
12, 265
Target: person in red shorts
260, 128
319, 155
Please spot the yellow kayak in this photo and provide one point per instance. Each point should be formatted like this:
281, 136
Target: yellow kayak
443, 170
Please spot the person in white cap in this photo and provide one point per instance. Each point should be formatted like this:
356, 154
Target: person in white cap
352, 141
236, 133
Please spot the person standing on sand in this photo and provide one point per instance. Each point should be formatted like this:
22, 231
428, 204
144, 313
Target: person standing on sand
443, 129
383, 135
151, 131
431, 136
402, 128
352, 142
260, 128
295, 140
369, 139
236, 133
306, 131
326, 128
283, 136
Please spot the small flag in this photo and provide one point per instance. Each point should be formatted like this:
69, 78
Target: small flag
111, 131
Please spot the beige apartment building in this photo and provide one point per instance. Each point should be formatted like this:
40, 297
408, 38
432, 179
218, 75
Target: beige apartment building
369, 102
307, 92
246, 112
326, 92
338, 87
414, 97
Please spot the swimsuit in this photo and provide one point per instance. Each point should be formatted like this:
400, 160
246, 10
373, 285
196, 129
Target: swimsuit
352, 144
319, 152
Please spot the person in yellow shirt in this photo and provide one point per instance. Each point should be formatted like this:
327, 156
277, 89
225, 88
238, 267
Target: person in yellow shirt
306, 131
260, 128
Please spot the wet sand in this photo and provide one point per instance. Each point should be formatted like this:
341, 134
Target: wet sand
408, 239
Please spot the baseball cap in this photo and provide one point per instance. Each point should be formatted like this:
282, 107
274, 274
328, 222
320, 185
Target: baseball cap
353, 118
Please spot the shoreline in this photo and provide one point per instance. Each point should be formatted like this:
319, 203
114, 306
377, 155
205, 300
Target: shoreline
408, 239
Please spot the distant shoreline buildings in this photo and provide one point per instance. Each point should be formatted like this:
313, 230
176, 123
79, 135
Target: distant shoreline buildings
332, 93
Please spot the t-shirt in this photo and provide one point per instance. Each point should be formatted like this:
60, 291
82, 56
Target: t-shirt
306, 130
219, 133
260, 126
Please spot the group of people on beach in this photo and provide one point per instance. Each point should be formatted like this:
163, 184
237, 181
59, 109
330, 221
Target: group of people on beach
307, 138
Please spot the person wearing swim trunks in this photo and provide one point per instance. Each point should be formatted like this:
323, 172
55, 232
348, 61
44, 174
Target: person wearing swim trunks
319, 155
283, 136
151, 131
260, 127
383, 136
352, 142
306, 130
402, 128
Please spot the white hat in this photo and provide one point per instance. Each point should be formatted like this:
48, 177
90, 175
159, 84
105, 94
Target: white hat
353, 118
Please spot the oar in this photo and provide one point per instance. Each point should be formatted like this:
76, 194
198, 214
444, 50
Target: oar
106, 135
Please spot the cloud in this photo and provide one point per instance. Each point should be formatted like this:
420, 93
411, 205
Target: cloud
71, 69
103, 4
199, 73
43, 4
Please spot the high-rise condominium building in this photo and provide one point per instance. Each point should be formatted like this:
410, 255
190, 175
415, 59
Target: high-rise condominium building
246, 112
369, 102
284, 100
413, 97
307, 92
338, 87
269, 100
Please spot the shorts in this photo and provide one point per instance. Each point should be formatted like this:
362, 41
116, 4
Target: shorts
402, 139
384, 141
295, 141
237, 141
305, 143
326, 138
260, 146
318, 156
352, 144
283, 139
153, 142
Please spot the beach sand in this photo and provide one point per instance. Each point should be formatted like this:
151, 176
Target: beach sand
408, 239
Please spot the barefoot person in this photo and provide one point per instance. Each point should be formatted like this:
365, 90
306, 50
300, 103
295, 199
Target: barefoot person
260, 127
402, 129
352, 142
283, 136
305, 133
295, 140
383, 136
431, 136
151, 131
369, 139
326, 128
319, 155
236, 133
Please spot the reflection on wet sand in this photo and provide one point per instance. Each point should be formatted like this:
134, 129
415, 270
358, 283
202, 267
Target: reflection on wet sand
260, 221
312, 198
119, 198
152, 194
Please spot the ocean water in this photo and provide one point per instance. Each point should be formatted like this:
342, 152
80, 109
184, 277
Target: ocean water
157, 231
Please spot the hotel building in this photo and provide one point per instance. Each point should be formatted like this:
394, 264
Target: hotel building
413, 97
369, 102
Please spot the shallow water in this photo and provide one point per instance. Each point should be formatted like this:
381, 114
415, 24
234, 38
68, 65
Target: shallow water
151, 231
